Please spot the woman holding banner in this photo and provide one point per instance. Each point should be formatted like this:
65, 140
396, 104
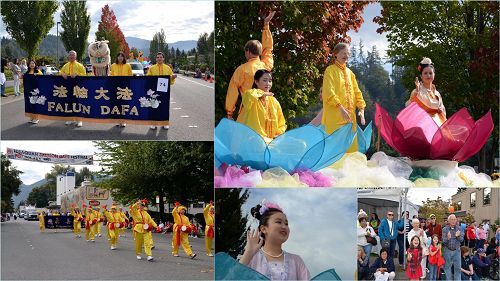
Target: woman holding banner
121, 68
160, 69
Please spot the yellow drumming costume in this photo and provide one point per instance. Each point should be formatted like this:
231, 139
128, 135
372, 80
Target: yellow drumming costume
41, 221
115, 223
430, 101
125, 219
75, 67
90, 221
340, 88
142, 236
122, 69
262, 113
163, 69
77, 221
182, 228
100, 219
242, 78
208, 214
149, 237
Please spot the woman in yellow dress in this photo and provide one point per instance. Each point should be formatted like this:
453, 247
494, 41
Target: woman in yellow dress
426, 95
182, 228
208, 214
41, 221
121, 68
144, 224
77, 221
115, 223
261, 110
341, 95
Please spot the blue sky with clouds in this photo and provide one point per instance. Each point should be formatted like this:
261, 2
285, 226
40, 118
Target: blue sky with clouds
368, 33
322, 225
181, 20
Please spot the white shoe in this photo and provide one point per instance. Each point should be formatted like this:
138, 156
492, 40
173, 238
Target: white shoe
166, 127
79, 124
113, 247
34, 121
139, 257
210, 255
68, 123
123, 125
193, 256
150, 258
99, 235
176, 255
152, 127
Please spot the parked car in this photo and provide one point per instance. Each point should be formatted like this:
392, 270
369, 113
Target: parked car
176, 70
51, 70
137, 68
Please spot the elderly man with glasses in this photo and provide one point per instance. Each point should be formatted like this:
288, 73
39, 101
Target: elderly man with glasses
388, 233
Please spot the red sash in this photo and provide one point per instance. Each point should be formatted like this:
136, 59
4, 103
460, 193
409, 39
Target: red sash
210, 232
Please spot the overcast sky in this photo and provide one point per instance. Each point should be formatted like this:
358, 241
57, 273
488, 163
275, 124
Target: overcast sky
34, 171
322, 225
181, 20
418, 195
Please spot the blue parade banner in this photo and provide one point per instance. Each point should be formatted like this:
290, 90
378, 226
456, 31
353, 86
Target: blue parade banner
143, 100
58, 222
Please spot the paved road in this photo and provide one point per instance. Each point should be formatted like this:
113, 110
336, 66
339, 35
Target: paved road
191, 119
28, 254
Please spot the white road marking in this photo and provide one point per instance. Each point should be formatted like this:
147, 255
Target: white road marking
176, 108
184, 116
193, 126
195, 82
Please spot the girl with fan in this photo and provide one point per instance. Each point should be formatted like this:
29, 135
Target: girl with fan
144, 224
208, 214
115, 223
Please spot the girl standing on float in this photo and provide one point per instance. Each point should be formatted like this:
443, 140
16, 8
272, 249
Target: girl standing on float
260, 110
182, 228
341, 95
263, 251
425, 93
208, 214
77, 220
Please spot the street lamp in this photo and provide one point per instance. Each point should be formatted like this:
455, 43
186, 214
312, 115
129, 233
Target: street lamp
57, 43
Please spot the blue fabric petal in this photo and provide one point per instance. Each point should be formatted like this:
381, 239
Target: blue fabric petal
227, 268
335, 146
287, 150
238, 144
364, 138
329, 274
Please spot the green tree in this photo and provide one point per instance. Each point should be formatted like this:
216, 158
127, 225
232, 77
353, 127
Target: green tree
28, 22
229, 220
158, 44
437, 207
10, 183
179, 171
76, 26
463, 42
108, 29
303, 34
40, 196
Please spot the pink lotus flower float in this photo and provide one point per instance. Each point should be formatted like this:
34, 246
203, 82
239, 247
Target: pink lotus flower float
415, 134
